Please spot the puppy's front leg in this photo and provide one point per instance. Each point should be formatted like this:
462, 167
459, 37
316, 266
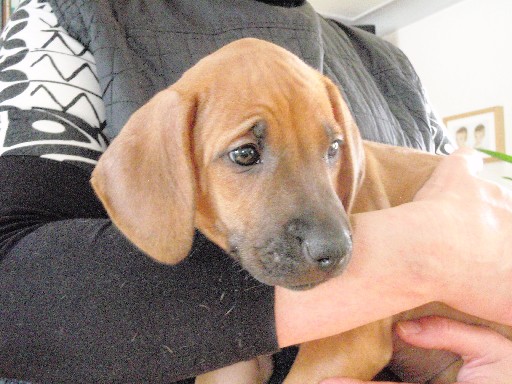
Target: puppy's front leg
255, 371
360, 353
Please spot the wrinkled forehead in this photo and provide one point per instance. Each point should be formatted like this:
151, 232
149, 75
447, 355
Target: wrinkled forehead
279, 97
269, 81
239, 88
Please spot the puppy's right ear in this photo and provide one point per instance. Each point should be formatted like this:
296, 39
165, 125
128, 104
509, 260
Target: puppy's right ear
353, 162
146, 178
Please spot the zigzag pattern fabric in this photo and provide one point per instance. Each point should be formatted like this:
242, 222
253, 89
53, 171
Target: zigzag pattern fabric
50, 100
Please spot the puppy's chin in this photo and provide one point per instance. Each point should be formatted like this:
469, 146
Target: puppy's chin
289, 282
295, 280
303, 287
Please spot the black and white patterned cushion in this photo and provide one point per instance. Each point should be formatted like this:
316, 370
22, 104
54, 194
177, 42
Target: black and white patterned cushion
50, 100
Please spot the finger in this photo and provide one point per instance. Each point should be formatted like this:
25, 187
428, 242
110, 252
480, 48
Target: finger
470, 342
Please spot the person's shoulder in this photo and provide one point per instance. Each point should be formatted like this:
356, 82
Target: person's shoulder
373, 49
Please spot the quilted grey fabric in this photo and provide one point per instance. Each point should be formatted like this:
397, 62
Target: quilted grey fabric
138, 56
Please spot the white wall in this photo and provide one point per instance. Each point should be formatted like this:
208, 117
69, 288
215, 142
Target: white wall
463, 55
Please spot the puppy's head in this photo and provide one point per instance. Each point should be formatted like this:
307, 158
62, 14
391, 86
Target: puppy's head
252, 147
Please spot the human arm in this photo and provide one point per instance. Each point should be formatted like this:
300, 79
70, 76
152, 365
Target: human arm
450, 245
77, 301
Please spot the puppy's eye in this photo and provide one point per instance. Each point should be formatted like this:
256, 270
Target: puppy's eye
334, 149
246, 155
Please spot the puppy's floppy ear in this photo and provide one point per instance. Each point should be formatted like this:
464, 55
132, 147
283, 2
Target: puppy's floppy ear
146, 178
353, 162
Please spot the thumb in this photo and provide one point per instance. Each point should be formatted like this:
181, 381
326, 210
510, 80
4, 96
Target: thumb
470, 342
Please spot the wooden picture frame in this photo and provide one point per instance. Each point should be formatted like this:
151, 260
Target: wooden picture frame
5, 13
8, 7
483, 128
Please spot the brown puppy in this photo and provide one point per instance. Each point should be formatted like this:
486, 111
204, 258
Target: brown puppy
266, 162
256, 168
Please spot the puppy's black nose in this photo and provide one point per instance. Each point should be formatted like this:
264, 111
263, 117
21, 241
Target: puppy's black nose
324, 260
324, 254
322, 245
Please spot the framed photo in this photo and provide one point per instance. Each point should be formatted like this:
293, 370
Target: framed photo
478, 129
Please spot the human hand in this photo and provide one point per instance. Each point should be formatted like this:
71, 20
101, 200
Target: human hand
473, 218
452, 244
486, 354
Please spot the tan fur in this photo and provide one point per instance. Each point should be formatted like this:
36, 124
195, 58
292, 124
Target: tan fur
168, 172
132, 182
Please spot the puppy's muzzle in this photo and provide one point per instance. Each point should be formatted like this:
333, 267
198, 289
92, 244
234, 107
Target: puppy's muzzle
303, 254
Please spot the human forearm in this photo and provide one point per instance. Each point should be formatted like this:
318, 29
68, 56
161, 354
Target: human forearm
70, 313
452, 244
371, 287
79, 298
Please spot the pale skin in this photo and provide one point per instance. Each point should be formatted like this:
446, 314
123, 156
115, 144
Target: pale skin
452, 244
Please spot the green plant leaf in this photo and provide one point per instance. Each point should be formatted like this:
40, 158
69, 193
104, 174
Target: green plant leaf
507, 178
497, 155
